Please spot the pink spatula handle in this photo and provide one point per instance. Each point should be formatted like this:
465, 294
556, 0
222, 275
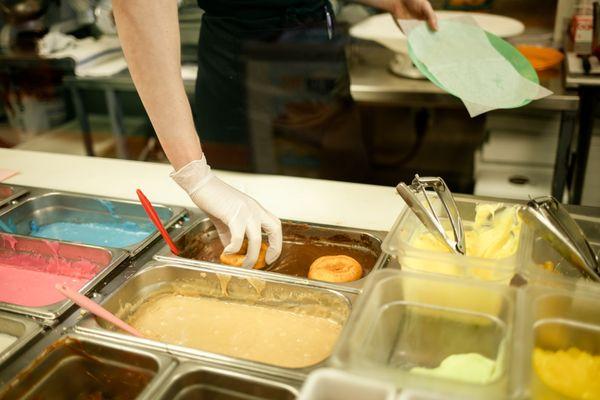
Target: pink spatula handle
96, 309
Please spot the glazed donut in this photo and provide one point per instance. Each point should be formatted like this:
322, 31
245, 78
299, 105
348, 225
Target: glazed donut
335, 269
237, 259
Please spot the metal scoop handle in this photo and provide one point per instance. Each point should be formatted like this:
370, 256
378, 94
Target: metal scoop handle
427, 214
556, 226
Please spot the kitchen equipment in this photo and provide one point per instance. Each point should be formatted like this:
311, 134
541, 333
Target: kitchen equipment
15, 246
25, 24
553, 222
335, 384
427, 213
47, 207
302, 244
400, 243
557, 320
541, 58
241, 287
393, 330
80, 367
23, 329
192, 381
9, 193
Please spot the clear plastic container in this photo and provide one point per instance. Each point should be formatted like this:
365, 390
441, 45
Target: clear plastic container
333, 384
562, 333
391, 332
424, 395
548, 267
399, 243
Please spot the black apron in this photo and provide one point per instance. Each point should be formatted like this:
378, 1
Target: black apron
272, 75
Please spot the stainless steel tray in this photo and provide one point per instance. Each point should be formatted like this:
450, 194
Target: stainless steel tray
23, 329
191, 381
76, 365
108, 259
202, 232
46, 207
9, 193
157, 276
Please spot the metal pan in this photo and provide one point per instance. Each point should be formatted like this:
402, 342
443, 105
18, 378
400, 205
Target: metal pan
46, 207
191, 381
106, 259
76, 366
158, 277
9, 193
199, 243
25, 330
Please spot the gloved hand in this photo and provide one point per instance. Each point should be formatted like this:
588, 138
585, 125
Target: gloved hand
417, 9
233, 213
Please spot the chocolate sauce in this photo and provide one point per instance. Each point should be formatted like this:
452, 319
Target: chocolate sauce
66, 370
298, 252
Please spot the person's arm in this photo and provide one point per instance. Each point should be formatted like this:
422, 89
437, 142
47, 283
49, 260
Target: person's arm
419, 9
149, 35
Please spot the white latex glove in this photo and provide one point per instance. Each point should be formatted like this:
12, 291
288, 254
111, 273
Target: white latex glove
233, 213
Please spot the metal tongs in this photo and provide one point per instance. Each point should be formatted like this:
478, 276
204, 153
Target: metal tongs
427, 213
548, 216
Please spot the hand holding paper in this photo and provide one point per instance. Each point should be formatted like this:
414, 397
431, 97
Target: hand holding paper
461, 59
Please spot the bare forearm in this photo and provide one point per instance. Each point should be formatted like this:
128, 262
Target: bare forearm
149, 34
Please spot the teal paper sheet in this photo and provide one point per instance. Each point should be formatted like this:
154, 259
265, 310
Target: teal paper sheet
464, 60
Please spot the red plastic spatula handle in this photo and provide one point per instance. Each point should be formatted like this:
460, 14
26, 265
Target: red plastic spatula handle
153, 215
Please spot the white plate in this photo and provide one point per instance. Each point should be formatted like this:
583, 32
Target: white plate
382, 29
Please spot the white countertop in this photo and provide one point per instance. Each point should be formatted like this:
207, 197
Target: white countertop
311, 200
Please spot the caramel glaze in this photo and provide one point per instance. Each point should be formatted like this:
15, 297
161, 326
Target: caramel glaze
298, 252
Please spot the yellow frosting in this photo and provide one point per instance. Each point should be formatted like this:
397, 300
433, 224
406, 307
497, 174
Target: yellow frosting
573, 373
494, 234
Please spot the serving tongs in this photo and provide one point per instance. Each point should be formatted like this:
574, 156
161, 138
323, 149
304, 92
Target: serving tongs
427, 213
548, 216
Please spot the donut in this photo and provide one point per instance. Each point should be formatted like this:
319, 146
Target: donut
237, 259
337, 269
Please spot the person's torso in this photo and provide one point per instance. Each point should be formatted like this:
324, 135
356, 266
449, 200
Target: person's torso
259, 9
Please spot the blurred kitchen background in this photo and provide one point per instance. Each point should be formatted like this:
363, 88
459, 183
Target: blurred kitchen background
65, 89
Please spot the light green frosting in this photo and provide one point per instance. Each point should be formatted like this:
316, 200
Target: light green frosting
470, 367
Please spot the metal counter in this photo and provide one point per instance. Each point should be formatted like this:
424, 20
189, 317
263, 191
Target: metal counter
200, 373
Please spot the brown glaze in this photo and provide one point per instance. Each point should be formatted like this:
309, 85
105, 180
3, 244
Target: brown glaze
297, 254
77, 375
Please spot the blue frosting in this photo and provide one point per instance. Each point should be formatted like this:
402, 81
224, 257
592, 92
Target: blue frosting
111, 234
8, 227
110, 207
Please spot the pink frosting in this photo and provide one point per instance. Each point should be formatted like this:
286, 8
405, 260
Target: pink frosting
11, 240
32, 288
27, 278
